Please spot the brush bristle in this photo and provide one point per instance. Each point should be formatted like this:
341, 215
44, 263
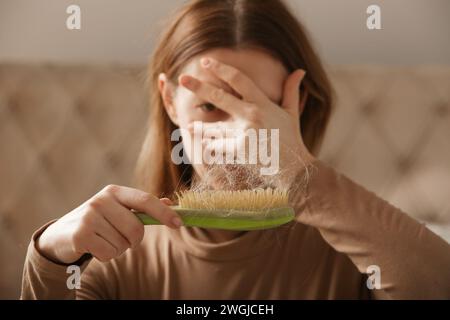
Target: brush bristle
246, 200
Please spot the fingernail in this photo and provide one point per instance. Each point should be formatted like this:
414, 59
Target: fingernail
186, 81
166, 201
177, 222
206, 62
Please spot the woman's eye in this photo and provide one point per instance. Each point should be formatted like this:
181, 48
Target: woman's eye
208, 107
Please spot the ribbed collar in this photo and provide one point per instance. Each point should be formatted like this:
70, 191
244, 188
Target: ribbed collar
247, 245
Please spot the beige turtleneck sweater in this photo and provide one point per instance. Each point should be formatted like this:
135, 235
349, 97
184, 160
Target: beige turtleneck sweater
340, 230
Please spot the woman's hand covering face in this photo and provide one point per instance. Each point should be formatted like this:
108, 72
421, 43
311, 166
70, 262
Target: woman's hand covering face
253, 110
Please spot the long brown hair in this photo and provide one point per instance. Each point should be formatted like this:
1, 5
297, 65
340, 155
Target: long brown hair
201, 25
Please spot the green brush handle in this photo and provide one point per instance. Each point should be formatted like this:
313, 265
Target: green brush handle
228, 219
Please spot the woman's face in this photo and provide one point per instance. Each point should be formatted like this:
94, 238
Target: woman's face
185, 108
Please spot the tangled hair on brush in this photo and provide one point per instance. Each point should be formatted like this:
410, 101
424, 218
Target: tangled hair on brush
291, 180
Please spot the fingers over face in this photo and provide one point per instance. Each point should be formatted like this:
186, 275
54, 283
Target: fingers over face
213, 94
236, 79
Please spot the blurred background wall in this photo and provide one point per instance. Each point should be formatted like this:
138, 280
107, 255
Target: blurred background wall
414, 31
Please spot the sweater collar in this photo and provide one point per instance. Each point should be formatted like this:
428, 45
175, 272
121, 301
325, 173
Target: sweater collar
247, 245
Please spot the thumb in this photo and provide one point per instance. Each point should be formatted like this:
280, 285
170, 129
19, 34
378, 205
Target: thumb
166, 201
291, 94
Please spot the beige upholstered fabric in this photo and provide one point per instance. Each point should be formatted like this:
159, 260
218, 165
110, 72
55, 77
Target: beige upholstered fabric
391, 133
67, 131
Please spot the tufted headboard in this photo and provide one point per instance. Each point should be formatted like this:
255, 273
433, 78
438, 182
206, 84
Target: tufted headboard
66, 131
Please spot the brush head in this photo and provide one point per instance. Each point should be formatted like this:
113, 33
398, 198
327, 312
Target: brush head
242, 200
242, 210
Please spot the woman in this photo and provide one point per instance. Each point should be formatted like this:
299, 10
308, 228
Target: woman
238, 64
